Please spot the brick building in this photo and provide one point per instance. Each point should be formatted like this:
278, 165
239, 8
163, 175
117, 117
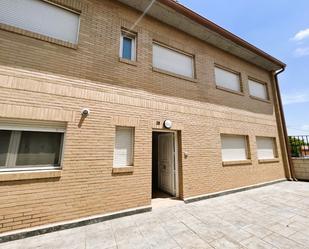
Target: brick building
102, 106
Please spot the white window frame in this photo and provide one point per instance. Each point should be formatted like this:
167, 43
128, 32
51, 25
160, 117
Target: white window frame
247, 147
238, 74
177, 51
14, 146
275, 148
261, 83
132, 129
133, 37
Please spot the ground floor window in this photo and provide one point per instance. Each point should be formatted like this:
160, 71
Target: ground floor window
266, 148
124, 147
234, 148
30, 149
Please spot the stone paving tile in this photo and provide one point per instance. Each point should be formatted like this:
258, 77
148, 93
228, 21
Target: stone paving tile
272, 217
282, 242
256, 243
258, 231
225, 243
301, 237
188, 239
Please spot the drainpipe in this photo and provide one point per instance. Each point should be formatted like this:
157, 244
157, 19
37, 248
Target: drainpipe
284, 128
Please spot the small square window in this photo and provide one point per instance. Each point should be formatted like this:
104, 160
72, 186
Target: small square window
234, 148
258, 89
128, 46
228, 79
266, 148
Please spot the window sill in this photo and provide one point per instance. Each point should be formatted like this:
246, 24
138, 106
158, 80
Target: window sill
29, 175
259, 99
230, 90
237, 163
273, 160
120, 170
129, 62
37, 36
154, 69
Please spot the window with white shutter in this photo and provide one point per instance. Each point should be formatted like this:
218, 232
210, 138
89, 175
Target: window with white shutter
124, 147
258, 90
173, 61
227, 79
234, 148
41, 17
266, 148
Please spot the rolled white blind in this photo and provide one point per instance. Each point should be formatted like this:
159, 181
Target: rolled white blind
258, 90
172, 61
265, 147
32, 125
40, 17
234, 148
124, 142
227, 79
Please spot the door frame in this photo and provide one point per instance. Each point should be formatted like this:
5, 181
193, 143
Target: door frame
176, 157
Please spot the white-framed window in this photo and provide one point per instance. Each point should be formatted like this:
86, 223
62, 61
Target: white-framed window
128, 45
234, 148
228, 79
266, 148
41, 17
258, 89
30, 147
124, 147
172, 60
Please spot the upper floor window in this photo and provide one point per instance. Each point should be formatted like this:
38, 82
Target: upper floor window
173, 61
258, 89
41, 17
30, 147
227, 79
128, 45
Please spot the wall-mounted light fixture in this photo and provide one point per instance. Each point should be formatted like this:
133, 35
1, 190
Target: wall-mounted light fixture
168, 124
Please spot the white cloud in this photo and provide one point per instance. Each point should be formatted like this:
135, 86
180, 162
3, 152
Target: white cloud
305, 127
295, 98
300, 52
301, 35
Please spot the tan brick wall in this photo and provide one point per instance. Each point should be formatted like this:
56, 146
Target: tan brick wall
45, 81
301, 167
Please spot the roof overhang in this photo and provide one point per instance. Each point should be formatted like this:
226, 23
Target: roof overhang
184, 19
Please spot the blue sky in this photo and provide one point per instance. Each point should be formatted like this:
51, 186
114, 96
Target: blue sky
280, 28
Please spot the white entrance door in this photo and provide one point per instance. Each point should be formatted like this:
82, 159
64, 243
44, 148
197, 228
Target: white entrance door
166, 163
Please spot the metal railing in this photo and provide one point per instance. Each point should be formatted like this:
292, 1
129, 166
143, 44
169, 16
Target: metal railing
299, 146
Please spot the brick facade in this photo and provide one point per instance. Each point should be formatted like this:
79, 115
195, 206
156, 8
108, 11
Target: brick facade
40, 80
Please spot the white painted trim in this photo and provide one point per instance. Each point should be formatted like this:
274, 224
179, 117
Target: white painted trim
29, 169
176, 157
126, 34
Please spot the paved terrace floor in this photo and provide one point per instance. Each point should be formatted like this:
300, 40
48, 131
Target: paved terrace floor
275, 216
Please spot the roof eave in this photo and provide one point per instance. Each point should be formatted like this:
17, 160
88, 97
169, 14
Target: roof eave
216, 28
182, 18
